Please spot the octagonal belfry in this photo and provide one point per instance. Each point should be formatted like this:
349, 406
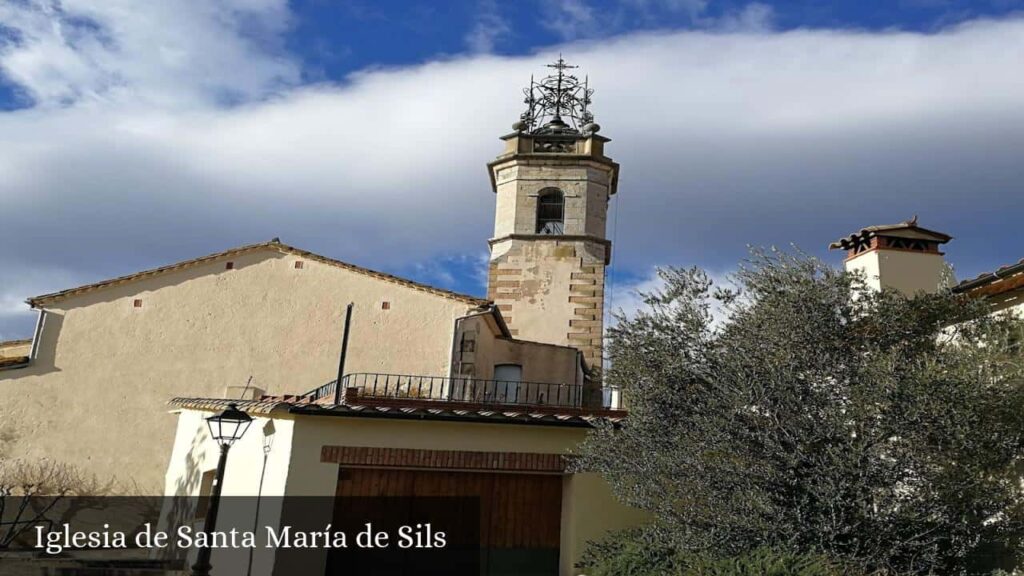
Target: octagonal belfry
549, 250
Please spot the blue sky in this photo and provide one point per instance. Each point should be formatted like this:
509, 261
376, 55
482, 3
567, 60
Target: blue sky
137, 134
336, 38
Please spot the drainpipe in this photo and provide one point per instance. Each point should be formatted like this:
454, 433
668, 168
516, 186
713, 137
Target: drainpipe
344, 352
37, 335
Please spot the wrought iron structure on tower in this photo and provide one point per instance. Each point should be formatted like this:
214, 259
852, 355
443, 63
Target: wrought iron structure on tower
558, 104
550, 247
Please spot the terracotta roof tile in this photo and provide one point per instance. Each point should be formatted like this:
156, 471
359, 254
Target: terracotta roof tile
989, 279
252, 407
272, 245
299, 406
867, 232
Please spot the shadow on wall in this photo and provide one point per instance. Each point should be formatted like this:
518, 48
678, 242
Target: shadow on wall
44, 362
181, 507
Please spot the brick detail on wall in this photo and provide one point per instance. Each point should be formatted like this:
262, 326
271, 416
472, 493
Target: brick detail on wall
444, 459
585, 328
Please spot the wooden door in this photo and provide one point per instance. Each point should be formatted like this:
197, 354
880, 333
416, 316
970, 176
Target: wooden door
520, 514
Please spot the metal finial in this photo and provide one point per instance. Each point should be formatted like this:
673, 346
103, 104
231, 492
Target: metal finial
557, 104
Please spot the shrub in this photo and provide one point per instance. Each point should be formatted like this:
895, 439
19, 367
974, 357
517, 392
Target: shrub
635, 552
763, 562
813, 414
643, 552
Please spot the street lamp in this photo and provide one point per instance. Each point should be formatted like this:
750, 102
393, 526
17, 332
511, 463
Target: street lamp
226, 428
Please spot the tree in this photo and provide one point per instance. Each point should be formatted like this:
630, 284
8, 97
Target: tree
802, 411
42, 492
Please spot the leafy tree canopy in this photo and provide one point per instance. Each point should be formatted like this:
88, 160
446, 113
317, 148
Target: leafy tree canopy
800, 410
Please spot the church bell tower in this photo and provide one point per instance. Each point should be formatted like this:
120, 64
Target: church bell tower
549, 251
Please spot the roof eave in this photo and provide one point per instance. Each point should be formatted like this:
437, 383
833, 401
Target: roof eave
848, 242
276, 245
989, 278
525, 420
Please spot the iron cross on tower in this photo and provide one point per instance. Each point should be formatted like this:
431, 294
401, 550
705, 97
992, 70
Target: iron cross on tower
557, 103
560, 93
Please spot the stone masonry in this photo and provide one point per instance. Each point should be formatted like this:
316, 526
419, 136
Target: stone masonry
552, 291
549, 283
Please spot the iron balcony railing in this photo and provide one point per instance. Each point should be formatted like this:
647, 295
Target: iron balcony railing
470, 390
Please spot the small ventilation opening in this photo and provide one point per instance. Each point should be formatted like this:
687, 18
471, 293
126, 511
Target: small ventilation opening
299, 264
137, 303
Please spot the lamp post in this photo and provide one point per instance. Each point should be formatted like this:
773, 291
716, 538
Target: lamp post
226, 428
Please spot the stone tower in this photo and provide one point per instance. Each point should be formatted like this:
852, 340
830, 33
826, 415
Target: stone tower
549, 250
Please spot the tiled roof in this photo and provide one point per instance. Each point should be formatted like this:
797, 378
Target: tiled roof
989, 280
846, 242
439, 412
272, 245
411, 412
253, 407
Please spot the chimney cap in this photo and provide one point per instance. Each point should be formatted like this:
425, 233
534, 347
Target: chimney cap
906, 229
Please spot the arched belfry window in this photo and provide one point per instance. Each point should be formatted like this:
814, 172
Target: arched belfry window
550, 211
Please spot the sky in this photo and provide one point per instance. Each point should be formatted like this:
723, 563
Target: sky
135, 134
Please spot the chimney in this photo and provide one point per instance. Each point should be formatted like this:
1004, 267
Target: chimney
903, 256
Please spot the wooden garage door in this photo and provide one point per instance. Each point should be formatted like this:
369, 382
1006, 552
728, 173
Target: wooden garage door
520, 514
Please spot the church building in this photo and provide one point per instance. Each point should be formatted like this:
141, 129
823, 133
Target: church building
519, 388
362, 383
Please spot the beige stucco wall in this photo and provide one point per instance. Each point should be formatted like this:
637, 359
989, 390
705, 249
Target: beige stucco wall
590, 514
194, 453
541, 362
96, 395
588, 507
908, 272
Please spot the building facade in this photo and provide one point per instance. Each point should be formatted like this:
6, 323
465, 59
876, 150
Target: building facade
268, 319
520, 393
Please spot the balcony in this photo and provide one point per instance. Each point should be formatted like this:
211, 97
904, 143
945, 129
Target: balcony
460, 390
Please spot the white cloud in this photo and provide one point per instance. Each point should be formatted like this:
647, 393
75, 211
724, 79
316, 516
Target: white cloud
570, 19
488, 29
163, 53
576, 19
724, 138
693, 8
627, 298
753, 17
